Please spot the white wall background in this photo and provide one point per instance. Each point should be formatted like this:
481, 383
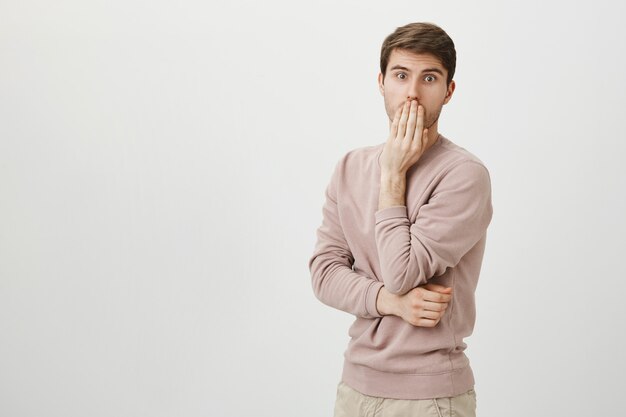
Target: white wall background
162, 169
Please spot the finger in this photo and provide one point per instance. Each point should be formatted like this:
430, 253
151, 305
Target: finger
402, 122
436, 287
394, 123
399, 111
410, 126
436, 297
431, 306
424, 138
418, 136
427, 314
426, 323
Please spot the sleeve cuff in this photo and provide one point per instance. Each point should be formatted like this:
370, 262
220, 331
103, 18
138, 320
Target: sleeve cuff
370, 298
390, 213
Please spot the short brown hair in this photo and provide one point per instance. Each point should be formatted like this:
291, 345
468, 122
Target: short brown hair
421, 38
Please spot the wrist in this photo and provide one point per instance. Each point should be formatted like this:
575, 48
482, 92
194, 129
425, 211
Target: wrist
385, 303
392, 190
392, 178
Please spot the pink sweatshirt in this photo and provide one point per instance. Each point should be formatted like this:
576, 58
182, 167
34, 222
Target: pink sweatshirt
439, 237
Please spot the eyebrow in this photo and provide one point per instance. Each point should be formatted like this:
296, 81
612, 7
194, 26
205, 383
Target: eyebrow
400, 67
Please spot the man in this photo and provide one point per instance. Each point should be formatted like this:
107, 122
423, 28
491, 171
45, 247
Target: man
401, 244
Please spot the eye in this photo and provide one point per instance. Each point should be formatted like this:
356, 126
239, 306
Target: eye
431, 76
403, 75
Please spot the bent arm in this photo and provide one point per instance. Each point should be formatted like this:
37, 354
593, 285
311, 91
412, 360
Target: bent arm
453, 220
334, 281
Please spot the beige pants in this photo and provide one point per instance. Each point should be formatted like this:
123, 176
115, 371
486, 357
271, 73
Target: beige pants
351, 403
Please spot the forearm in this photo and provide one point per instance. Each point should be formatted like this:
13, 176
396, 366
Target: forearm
338, 286
392, 190
455, 217
404, 264
392, 194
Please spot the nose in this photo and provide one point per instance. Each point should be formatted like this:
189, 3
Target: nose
413, 91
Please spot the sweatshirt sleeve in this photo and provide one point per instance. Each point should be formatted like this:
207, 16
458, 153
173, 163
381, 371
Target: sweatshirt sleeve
446, 228
333, 280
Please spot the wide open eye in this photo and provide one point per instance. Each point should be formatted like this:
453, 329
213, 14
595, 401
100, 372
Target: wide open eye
401, 74
432, 78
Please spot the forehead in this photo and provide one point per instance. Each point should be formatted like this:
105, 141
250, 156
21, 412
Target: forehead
414, 61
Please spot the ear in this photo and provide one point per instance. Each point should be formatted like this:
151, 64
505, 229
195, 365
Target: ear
450, 91
381, 87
